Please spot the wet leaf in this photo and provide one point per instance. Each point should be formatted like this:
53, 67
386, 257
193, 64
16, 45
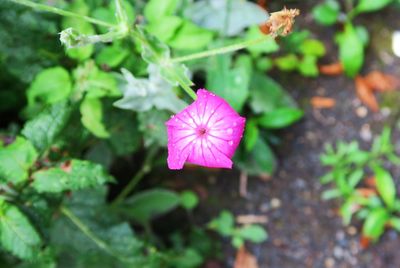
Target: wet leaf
365, 94
322, 102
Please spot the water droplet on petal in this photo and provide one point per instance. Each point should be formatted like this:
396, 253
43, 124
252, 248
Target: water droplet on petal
172, 116
229, 131
230, 143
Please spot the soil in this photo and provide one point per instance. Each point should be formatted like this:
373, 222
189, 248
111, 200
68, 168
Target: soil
305, 231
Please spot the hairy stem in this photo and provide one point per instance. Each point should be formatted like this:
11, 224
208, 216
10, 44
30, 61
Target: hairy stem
61, 12
222, 50
146, 167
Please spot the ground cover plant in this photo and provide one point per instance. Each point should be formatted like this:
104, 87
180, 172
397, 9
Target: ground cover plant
107, 95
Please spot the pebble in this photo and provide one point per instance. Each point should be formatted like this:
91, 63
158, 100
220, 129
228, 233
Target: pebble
351, 230
365, 133
362, 111
338, 252
329, 262
275, 203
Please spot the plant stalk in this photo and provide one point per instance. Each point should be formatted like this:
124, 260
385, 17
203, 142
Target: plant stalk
61, 12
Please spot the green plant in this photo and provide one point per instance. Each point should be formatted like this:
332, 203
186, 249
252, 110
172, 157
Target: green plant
224, 224
80, 112
352, 39
372, 199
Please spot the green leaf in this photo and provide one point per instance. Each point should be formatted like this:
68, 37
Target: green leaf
231, 84
395, 223
259, 161
251, 135
191, 37
80, 25
385, 185
141, 94
355, 177
330, 194
223, 224
347, 210
223, 15
157, 9
44, 128
108, 14
146, 205
94, 82
154, 51
266, 95
312, 47
374, 224
308, 66
280, 118
17, 235
92, 117
288, 62
78, 174
351, 50
189, 258
112, 56
165, 27
326, 13
49, 86
370, 5
254, 233
189, 200
15, 160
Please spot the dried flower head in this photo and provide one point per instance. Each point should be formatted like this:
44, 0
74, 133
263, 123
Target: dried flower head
281, 22
205, 133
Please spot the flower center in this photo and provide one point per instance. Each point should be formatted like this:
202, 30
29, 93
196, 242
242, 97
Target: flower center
201, 131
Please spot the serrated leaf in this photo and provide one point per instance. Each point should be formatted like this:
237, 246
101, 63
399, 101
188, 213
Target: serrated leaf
78, 174
146, 205
44, 128
92, 117
222, 15
15, 160
280, 118
385, 186
17, 235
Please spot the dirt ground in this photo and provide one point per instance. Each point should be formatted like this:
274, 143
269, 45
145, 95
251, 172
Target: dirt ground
305, 231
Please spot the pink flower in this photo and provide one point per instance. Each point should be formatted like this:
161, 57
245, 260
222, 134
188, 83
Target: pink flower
205, 133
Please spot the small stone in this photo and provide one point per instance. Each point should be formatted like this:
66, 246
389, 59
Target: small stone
362, 111
338, 252
329, 262
275, 203
365, 132
351, 230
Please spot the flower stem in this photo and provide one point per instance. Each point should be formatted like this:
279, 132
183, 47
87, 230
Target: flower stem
146, 167
61, 12
85, 229
222, 50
